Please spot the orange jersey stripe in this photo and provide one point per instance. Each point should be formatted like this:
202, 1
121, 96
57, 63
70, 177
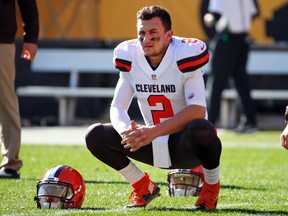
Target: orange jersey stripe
194, 63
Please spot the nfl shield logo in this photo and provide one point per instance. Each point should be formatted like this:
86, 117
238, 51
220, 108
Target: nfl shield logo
153, 76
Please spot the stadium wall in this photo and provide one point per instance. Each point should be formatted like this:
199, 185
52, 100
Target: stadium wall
115, 20
103, 23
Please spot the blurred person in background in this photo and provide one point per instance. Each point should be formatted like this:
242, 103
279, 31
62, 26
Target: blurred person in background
284, 134
10, 122
230, 46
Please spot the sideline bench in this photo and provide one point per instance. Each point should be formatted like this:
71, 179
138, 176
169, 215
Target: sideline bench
77, 61
74, 62
228, 110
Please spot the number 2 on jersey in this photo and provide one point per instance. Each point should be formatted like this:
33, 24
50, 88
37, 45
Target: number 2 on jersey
167, 110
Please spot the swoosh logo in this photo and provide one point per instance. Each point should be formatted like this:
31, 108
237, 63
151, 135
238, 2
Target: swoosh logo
202, 47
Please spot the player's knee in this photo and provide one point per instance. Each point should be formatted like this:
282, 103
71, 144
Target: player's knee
201, 131
93, 136
201, 124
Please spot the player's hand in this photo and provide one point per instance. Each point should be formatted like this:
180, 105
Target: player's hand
209, 20
137, 136
29, 51
284, 138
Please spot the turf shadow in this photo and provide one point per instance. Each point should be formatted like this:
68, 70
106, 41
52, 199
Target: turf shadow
226, 211
242, 188
116, 182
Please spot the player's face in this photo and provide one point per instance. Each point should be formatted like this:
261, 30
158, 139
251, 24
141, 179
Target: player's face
153, 38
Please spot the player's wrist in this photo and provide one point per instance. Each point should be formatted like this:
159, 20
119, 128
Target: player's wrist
155, 131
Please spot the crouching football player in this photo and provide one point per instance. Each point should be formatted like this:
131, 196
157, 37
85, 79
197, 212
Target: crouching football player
165, 73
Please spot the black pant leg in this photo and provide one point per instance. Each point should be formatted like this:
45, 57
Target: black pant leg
104, 143
196, 144
218, 79
241, 80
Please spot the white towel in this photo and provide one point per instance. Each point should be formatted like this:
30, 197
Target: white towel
161, 155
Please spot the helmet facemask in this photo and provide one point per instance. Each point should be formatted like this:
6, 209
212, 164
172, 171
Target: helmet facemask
61, 187
184, 182
53, 194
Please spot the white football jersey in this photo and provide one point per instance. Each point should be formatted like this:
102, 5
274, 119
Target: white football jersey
161, 93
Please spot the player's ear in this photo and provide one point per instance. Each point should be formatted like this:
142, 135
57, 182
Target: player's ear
169, 34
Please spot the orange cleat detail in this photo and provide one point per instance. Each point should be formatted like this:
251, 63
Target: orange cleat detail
208, 198
144, 192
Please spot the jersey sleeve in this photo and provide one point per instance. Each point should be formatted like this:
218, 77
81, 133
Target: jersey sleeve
216, 6
124, 92
119, 107
122, 59
192, 54
194, 89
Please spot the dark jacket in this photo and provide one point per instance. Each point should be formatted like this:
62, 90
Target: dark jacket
8, 24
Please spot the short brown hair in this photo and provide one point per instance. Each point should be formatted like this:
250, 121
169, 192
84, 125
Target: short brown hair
149, 12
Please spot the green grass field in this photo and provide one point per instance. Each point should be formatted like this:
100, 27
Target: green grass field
254, 181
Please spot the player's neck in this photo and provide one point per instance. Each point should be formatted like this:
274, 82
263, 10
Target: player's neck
154, 65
